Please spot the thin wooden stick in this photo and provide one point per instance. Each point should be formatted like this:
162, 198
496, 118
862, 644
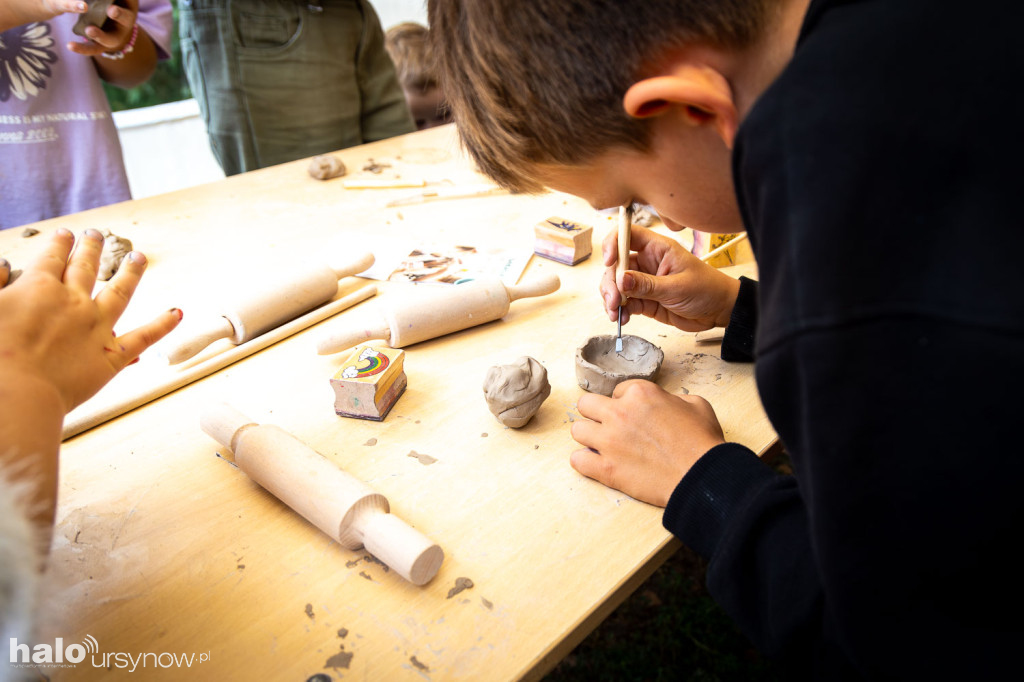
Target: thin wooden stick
728, 245
82, 420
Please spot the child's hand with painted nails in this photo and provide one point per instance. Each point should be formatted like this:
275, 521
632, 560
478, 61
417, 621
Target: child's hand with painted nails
53, 330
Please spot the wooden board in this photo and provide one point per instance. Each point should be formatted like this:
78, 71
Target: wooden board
162, 546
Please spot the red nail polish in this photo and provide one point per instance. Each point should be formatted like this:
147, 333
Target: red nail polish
177, 311
133, 361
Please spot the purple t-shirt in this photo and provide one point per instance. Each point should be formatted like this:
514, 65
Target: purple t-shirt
59, 150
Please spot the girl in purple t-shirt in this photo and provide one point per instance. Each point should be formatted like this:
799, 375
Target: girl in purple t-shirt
59, 150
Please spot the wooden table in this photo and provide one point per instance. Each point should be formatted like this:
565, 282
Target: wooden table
164, 547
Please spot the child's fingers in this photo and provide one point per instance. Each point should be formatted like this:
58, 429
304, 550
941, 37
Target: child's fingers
114, 297
85, 262
138, 340
54, 257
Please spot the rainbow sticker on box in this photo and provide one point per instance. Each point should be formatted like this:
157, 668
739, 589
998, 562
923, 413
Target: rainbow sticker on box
369, 383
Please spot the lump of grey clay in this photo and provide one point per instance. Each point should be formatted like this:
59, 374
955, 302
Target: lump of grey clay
96, 16
115, 248
326, 166
514, 392
599, 369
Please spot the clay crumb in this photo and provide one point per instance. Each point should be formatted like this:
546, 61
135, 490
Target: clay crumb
372, 441
425, 460
353, 563
342, 659
365, 575
460, 585
420, 666
483, 435
375, 167
487, 603
29, 232
309, 612
343, 633
369, 558
319, 677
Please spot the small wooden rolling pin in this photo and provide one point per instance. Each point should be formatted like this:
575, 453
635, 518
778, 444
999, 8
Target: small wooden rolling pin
432, 311
334, 501
261, 304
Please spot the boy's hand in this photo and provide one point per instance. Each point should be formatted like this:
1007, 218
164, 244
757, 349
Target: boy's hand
114, 40
52, 329
643, 439
665, 281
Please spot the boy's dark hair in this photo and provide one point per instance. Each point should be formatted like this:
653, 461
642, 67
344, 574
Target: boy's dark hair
542, 81
407, 46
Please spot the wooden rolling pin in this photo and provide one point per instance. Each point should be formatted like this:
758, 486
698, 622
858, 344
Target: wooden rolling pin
261, 304
432, 311
335, 502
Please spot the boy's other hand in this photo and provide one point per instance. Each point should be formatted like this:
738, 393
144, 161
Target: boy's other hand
665, 281
643, 439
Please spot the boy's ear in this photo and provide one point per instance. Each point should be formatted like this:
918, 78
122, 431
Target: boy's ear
702, 92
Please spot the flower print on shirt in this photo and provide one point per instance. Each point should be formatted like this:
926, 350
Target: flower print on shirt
25, 60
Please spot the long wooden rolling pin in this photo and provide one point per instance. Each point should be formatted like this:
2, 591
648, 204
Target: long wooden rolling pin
263, 303
432, 311
334, 501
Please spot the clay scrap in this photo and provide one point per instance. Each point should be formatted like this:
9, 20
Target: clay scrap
96, 16
326, 166
115, 248
515, 392
599, 368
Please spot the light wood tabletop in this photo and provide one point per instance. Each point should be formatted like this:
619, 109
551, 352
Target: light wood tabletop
163, 547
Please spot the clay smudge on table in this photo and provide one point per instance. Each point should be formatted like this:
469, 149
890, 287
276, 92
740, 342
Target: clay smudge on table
425, 460
342, 659
487, 603
419, 665
372, 441
375, 167
369, 558
309, 612
220, 456
460, 585
319, 677
363, 574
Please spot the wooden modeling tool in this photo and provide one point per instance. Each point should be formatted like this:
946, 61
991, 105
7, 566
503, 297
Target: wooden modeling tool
447, 193
334, 501
100, 408
430, 311
625, 225
262, 304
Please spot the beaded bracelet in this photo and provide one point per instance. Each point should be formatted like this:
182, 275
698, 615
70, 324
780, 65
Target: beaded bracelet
126, 49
